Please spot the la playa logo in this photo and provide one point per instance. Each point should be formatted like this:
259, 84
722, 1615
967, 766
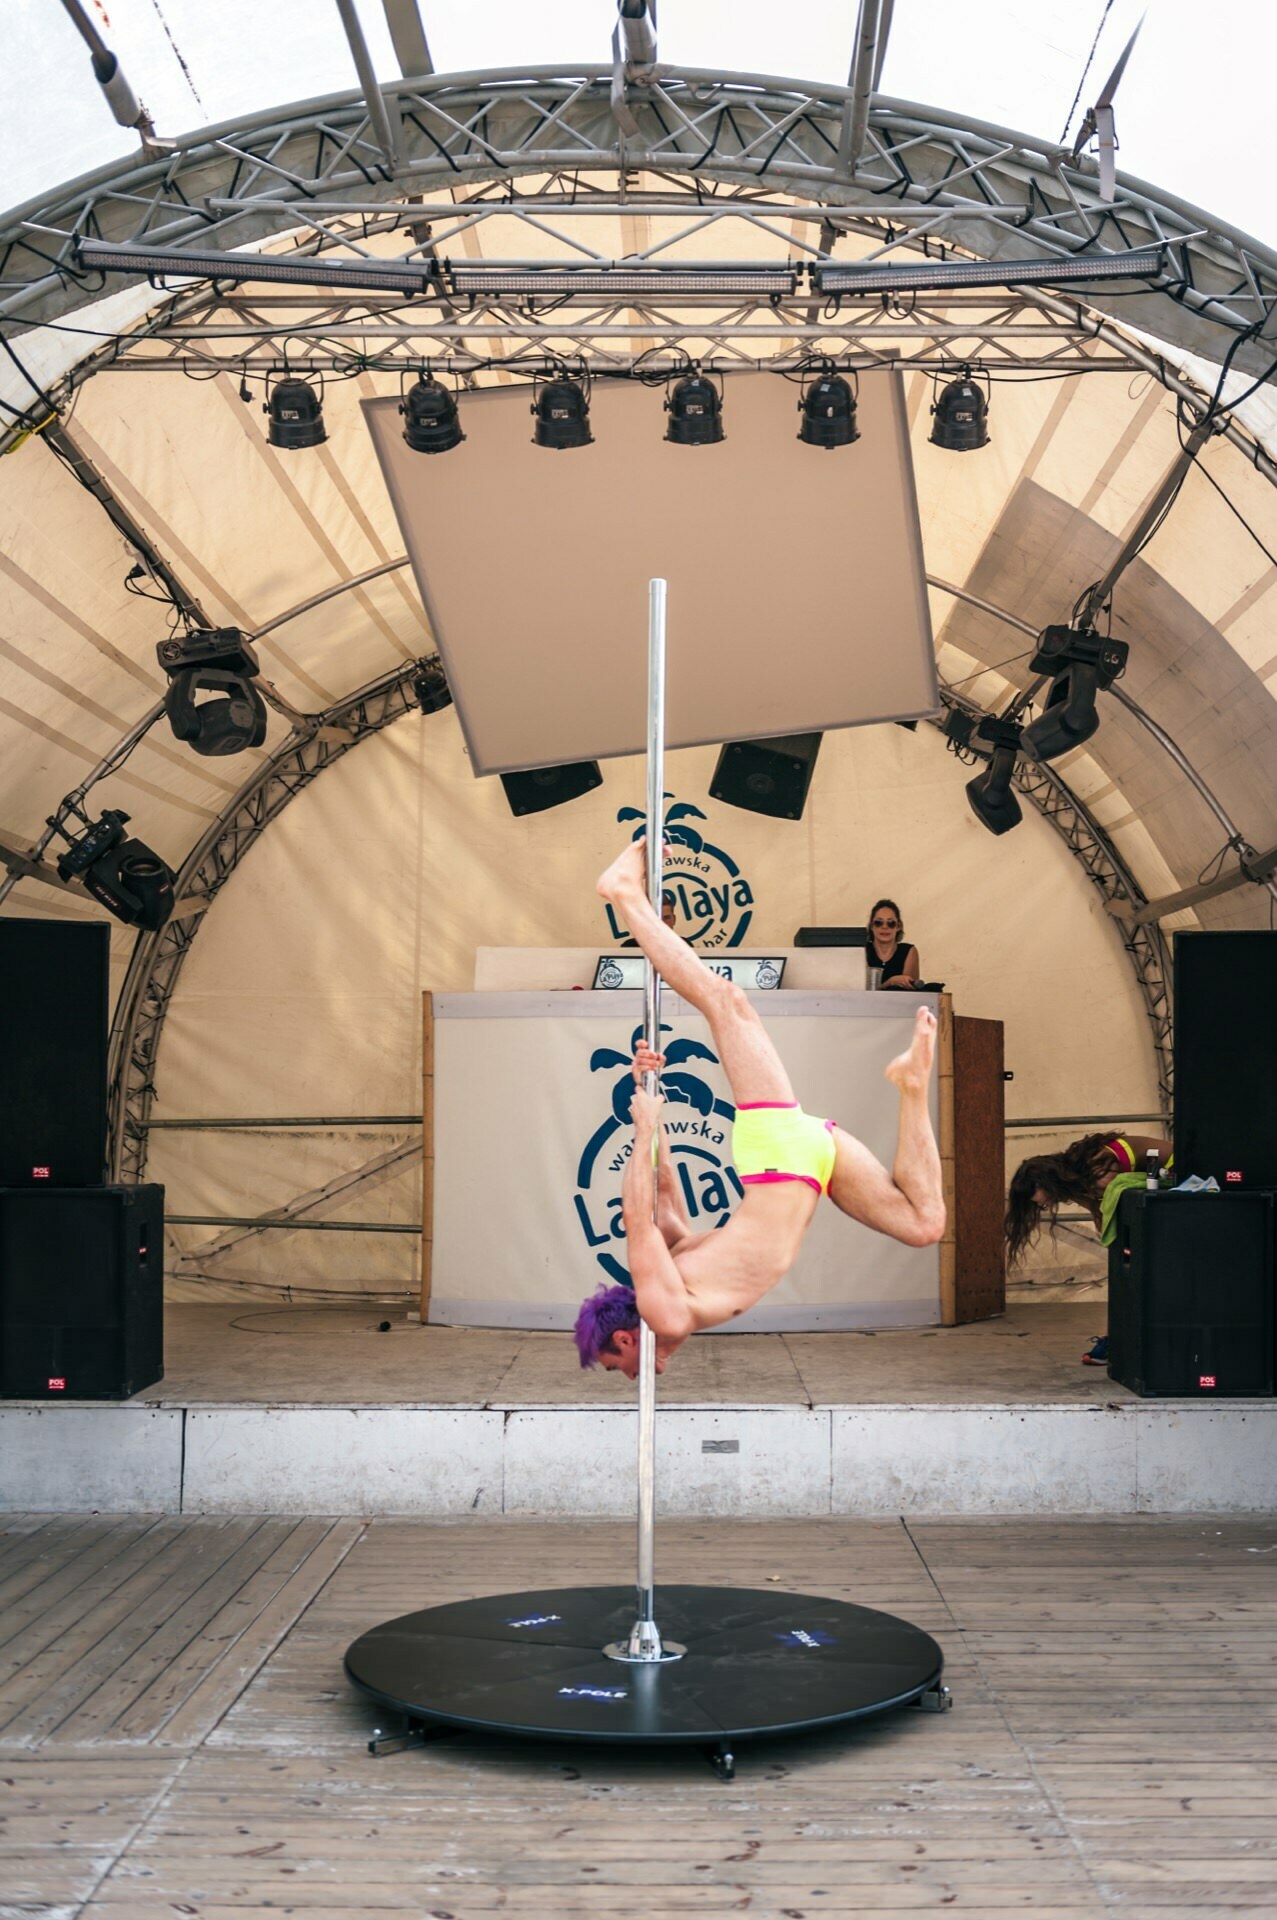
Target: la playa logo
713, 899
698, 1126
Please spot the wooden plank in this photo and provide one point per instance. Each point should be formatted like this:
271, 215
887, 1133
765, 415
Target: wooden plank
427, 1150
52, 1684
945, 1097
80, 1572
45, 1628
225, 1680
115, 1701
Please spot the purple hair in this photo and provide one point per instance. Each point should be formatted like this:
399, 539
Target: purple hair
604, 1314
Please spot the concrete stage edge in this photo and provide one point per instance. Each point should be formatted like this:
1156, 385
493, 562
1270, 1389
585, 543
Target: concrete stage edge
268, 1409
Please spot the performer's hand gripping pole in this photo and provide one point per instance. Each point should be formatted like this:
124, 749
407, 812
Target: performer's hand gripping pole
644, 1644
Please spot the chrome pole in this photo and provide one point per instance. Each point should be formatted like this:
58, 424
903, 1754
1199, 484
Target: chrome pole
644, 1645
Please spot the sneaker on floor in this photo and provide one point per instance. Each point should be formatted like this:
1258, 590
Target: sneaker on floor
1099, 1353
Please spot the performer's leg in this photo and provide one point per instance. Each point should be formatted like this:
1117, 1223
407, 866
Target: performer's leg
908, 1202
753, 1067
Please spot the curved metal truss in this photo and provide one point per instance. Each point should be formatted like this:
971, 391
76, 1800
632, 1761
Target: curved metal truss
548, 140
157, 959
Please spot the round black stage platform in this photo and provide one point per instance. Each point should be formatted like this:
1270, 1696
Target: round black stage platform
757, 1663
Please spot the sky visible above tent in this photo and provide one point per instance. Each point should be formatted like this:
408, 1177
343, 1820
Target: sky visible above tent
1192, 111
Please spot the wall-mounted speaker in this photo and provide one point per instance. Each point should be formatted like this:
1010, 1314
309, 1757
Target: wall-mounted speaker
542, 787
53, 1038
767, 776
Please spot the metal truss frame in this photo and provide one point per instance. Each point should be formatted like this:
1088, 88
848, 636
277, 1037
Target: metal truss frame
719, 144
157, 958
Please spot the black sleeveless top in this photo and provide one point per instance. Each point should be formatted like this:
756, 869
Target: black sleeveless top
895, 965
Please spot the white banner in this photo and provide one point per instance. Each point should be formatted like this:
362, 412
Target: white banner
532, 1136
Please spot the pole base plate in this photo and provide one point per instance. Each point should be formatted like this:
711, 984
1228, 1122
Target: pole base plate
533, 1665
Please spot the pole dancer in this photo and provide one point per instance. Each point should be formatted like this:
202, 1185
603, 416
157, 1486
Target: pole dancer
685, 1282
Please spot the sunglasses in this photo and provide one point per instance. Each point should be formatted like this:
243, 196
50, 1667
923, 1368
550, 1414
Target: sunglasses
886, 923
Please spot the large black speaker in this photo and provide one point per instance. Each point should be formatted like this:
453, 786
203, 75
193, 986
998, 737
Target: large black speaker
542, 787
767, 776
1225, 1052
81, 1292
1191, 1294
53, 1030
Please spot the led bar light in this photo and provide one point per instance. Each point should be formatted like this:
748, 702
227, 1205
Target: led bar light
622, 279
403, 276
936, 275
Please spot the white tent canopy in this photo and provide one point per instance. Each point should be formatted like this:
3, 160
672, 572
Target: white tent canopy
300, 996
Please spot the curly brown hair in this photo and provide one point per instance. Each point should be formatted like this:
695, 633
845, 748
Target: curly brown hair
1071, 1175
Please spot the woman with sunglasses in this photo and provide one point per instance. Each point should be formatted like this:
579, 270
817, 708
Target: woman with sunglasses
888, 947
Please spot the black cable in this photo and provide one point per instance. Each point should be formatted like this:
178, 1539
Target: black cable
996, 667
1208, 475
1068, 121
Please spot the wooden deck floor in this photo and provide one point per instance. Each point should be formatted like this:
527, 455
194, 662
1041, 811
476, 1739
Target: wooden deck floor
176, 1736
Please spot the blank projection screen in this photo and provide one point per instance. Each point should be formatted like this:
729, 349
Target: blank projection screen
797, 597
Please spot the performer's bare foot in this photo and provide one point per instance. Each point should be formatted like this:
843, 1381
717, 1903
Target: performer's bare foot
911, 1071
627, 874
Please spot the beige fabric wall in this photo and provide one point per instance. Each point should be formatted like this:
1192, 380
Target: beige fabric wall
301, 995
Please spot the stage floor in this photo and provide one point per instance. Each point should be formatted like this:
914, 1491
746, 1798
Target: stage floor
177, 1737
335, 1356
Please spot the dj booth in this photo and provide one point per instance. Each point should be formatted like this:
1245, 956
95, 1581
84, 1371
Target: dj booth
526, 1091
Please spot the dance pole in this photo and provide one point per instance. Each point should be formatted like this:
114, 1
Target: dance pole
644, 1644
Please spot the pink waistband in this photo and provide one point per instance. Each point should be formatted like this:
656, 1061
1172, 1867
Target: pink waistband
748, 1106
762, 1179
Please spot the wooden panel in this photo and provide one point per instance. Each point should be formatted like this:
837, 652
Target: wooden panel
944, 1090
979, 1203
427, 1151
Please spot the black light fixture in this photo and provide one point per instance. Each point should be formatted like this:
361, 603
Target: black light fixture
561, 408
290, 269
219, 661
127, 877
989, 795
695, 408
1081, 662
296, 413
430, 417
933, 276
430, 687
960, 417
618, 278
539, 788
828, 407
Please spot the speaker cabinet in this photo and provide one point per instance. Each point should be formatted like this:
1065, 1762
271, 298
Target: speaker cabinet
1191, 1294
542, 787
767, 776
53, 1030
81, 1292
1225, 1047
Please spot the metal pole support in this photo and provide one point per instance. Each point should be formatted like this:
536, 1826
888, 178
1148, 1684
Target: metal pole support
644, 1645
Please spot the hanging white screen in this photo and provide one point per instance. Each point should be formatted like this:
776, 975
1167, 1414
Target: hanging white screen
797, 597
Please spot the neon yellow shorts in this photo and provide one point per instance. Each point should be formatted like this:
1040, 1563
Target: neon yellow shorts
772, 1140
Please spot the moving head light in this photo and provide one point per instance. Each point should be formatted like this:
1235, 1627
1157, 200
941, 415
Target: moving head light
124, 875
219, 661
1081, 662
989, 795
